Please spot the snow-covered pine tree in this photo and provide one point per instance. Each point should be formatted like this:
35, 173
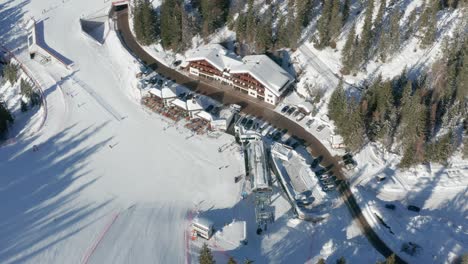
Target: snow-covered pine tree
205, 255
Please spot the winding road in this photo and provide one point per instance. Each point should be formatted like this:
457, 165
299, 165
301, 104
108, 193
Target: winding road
260, 110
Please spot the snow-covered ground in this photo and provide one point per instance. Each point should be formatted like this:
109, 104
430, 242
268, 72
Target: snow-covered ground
113, 183
440, 227
91, 165
287, 239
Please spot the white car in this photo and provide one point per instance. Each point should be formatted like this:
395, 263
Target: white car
300, 116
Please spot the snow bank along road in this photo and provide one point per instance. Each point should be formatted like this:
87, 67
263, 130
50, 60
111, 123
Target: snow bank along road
258, 109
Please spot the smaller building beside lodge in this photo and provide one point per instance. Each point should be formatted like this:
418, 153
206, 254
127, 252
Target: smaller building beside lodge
255, 75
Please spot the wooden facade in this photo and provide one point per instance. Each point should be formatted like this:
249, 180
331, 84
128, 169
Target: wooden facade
243, 81
205, 67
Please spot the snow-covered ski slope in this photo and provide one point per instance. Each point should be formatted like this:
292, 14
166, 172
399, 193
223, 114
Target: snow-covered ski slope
90, 166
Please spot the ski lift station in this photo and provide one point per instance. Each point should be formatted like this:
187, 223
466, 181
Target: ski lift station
258, 171
258, 168
202, 227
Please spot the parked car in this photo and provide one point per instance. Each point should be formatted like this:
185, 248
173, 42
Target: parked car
243, 121
160, 82
270, 133
285, 109
276, 135
351, 165
265, 125
305, 201
255, 126
414, 208
347, 156
295, 145
329, 183
296, 113
328, 177
249, 124
309, 122
328, 188
209, 108
291, 110
177, 63
390, 206
316, 162
181, 96
215, 110
145, 70
189, 96
320, 172
300, 117
320, 128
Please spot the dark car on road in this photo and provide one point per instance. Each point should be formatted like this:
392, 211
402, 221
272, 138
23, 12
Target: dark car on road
414, 208
284, 109
316, 162
390, 206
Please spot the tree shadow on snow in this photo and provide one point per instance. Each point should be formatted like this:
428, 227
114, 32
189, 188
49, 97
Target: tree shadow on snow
39, 190
10, 17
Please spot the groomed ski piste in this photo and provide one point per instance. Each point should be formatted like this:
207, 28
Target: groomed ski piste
113, 183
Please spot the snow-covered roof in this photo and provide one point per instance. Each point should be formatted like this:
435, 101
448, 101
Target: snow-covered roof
155, 92
337, 139
203, 221
216, 55
260, 67
194, 105
205, 115
226, 113
168, 92
179, 103
258, 166
31, 22
281, 151
264, 70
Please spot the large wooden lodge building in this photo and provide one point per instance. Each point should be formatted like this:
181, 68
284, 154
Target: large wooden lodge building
255, 75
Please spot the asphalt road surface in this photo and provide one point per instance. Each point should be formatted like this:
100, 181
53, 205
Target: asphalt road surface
261, 110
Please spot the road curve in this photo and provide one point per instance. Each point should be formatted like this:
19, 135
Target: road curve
261, 110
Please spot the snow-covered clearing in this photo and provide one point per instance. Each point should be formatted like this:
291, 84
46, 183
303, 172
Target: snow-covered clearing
288, 240
441, 193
